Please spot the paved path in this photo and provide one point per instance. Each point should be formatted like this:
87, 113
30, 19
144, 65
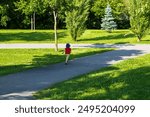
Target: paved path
22, 85
14, 46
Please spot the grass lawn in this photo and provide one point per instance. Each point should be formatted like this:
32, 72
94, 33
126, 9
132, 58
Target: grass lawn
129, 79
90, 36
15, 60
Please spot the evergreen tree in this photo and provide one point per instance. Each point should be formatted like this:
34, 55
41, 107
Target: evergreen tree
76, 17
119, 12
108, 23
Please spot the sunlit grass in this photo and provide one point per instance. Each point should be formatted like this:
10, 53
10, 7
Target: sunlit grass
129, 79
90, 36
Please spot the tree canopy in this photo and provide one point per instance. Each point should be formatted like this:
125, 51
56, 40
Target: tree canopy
76, 17
3, 15
139, 11
44, 13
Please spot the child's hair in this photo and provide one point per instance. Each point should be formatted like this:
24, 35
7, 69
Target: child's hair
67, 45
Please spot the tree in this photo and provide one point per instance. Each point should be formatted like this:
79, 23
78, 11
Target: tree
76, 17
3, 16
118, 10
139, 11
29, 8
57, 7
108, 23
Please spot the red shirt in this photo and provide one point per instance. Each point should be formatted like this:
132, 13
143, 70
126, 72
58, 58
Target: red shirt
67, 50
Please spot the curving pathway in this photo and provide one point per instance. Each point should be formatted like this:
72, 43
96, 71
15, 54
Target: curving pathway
21, 85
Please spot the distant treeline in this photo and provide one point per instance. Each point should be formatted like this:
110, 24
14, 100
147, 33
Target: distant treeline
17, 19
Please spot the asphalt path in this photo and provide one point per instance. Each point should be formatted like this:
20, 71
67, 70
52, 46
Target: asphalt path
21, 86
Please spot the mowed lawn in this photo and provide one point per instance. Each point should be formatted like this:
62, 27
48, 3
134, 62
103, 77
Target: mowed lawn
90, 36
15, 60
129, 79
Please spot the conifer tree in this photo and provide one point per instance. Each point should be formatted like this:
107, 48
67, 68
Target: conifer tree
108, 23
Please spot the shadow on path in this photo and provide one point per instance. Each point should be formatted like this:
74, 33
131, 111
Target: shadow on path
103, 85
22, 85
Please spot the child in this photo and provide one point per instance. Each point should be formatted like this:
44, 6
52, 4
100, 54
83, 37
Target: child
67, 52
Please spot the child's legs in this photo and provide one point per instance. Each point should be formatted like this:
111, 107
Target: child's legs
67, 57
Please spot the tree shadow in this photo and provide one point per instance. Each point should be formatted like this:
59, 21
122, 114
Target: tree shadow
126, 86
103, 45
108, 37
121, 31
37, 61
132, 84
76, 88
145, 40
62, 34
4, 70
13, 87
47, 59
30, 36
122, 43
52, 59
106, 84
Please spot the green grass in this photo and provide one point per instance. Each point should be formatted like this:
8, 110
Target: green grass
15, 60
129, 79
90, 36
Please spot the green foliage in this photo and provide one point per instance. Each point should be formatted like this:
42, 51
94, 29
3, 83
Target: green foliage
20, 18
76, 17
55, 5
28, 7
108, 23
2, 10
3, 17
118, 10
4, 20
98, 7
139, 11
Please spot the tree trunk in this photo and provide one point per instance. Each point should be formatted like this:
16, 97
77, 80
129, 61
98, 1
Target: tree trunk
139, 38
55, 30
31, 22
34, 20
